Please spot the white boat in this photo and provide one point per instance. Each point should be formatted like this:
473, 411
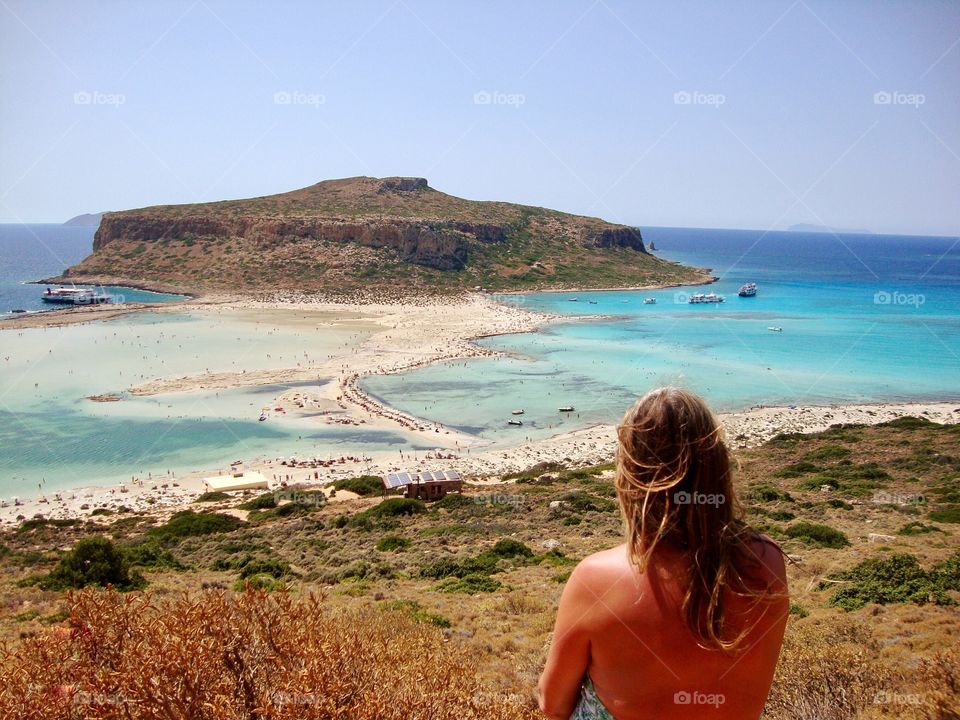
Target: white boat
774, 328
748, 290
517, 412
566, 408
74, 296
515, 422
649, 301
571, 299
700, 298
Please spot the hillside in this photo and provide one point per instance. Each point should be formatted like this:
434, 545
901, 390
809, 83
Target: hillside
395, 234
473, 581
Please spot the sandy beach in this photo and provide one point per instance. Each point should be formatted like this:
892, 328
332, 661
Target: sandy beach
406, 335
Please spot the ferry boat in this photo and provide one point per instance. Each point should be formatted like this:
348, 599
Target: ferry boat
748, 290
649, 301
700, 298
74, 296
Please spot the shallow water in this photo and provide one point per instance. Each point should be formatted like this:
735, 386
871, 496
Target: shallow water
53, 437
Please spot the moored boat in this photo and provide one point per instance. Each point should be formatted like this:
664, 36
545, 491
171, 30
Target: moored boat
74, 296
748, 290
515, 422
566, 408
517, 412
649, 301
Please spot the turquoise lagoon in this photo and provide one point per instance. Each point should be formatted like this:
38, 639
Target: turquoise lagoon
864, 319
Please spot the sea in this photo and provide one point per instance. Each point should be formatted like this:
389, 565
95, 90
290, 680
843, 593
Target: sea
836, 319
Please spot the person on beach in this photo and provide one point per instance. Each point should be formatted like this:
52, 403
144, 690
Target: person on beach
686, 618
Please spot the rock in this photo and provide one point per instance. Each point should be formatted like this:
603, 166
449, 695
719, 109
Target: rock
556, 504
878, 538
551, 544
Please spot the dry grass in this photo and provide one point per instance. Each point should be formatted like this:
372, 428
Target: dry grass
252, 655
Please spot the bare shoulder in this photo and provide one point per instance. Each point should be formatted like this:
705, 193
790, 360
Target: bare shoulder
770, 558
602, 568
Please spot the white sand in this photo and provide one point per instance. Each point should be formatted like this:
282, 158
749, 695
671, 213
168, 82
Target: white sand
413, 334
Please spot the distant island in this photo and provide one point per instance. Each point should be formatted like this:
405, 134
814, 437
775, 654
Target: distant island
395, 234
809, 227
85, 219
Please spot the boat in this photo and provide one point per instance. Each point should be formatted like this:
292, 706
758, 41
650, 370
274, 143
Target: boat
571, 299
74, 296
649, 301
748, 290
262, 417
566, 408
700, 298
592, 302
515, 422
517, 412
774, 328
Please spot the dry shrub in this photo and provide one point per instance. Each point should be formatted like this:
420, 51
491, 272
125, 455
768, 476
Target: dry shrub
252, 655
836, 671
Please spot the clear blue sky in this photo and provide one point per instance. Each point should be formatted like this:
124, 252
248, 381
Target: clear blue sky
754, 114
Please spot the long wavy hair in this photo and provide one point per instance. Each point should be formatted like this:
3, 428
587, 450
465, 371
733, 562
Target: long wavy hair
674, 484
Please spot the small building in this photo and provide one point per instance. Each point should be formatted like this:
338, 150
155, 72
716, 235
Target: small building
236, 481
426, 485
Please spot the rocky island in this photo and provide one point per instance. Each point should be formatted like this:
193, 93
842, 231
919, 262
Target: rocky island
393, 234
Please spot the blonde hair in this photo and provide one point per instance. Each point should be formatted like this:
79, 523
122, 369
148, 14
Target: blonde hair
674, 484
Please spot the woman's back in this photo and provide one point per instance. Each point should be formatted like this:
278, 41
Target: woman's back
686, 619
645, 662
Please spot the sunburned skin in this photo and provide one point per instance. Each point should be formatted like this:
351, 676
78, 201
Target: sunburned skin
627, 632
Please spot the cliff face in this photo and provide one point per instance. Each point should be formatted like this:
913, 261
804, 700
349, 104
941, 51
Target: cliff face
442, 246
371, 232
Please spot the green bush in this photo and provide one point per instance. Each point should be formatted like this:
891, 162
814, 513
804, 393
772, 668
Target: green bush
150, 554
92, 561
907, 423
393, 543
38, 523
829, 452
897, 579
510, 548
768, 493
395, 507
469, 584
917, 528
947, 514
413, 609
212, 496
364, 486
188, 523
817, 535
261, 502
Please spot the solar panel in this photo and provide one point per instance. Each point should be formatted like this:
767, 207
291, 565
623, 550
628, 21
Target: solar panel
405, 478
453, 475
426, 476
